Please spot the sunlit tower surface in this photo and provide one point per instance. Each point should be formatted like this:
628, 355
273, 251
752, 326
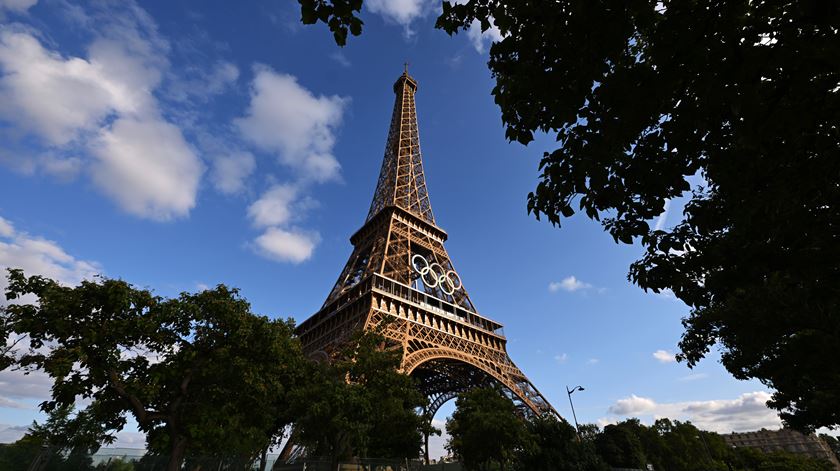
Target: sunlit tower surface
399, 271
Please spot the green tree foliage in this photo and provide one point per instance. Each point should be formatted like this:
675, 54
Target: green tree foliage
620, 445
750, 459
199, 373
485, 430
647, 96
680, 446
553, 445
65, 441
359, 404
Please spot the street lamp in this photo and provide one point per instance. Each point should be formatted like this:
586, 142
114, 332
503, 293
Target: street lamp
569, 392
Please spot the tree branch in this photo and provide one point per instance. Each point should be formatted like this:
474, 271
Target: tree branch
142, 415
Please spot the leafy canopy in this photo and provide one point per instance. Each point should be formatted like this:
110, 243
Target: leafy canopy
485, 428
359, 404
200, 373
733, 106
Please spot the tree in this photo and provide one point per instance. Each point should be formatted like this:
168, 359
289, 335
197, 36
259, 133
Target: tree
733, 105
360, 404
485, 428
751, 458
554, 446
199, 372
682, 446
619, 445
64, 441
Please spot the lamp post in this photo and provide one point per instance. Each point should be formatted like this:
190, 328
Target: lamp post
569, 392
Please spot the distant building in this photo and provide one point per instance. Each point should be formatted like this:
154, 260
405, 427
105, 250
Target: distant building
784, 440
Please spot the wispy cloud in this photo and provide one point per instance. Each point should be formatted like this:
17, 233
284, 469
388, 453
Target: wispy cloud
127, 111
746, 412
663, 218
561, 358
694, 377
664, 356
340, 59
482, 39
18, 6
39, 256
98, 113
570, 284
35, 255
401, 12
298, 127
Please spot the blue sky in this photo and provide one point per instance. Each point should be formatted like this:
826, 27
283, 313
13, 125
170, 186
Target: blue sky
178, 145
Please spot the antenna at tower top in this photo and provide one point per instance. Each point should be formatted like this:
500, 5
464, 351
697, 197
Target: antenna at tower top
405, 65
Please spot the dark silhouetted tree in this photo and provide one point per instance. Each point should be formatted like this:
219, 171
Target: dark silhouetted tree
733, 105
199, 373
485, 429
359, 405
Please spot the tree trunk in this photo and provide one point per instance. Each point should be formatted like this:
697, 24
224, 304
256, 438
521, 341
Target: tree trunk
426, 449
176, 456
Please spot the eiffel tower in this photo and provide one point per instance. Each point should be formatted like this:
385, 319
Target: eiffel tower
399, 271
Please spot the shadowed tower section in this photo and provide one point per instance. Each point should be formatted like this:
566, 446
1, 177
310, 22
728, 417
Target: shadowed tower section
399, 271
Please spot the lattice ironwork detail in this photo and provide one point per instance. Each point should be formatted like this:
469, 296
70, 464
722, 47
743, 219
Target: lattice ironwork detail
401, 181
447, 345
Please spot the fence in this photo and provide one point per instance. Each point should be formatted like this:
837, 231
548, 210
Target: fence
127, 459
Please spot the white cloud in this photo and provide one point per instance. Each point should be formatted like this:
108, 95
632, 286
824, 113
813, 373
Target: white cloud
134, 440
437, 443
36, 256
286, 245
230, 172
402, 12
19, 6
148, 168
664, 356
14, 384
10, 404
480, 39
561, 358
694, 377
205, 83
746, 412
340, 59
12, 433
103, 108
632, 405
39, 256
593, 361
6, 228
570, 284
663, 218
286, 118
56, 98
274, 208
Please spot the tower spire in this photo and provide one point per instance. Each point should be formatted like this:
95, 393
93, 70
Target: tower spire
401, 181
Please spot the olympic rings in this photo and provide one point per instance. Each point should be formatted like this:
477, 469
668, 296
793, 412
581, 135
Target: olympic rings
437, 275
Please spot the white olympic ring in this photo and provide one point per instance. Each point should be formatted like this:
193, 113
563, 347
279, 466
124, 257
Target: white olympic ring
439, 276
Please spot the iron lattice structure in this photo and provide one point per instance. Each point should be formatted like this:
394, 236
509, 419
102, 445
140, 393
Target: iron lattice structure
399, 271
